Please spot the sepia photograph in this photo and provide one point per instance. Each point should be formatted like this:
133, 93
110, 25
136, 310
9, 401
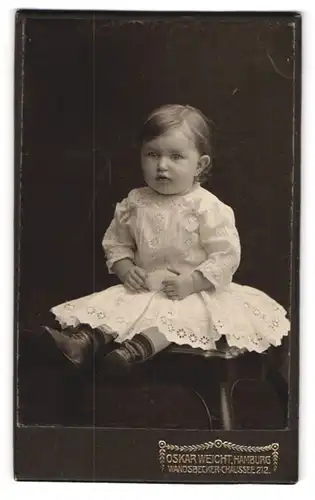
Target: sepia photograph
156, 243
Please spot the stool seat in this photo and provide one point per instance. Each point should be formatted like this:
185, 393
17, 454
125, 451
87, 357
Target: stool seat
223, 352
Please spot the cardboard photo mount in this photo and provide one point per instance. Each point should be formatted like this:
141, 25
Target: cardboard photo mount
84, 82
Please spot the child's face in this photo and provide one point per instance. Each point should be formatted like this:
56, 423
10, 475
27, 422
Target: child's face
171, 162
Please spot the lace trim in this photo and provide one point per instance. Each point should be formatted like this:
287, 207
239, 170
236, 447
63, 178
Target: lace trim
268, 332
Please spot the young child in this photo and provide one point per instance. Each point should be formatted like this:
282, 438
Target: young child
175, 248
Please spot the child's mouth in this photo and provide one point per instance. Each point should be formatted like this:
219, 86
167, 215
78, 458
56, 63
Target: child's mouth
162, 178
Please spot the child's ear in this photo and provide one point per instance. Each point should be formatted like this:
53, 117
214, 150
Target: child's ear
204, 162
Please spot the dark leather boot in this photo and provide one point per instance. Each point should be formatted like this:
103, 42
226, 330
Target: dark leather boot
120, 360
79, 344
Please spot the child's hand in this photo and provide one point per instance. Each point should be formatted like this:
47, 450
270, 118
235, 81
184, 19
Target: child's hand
179, 287
156, 278
135, 279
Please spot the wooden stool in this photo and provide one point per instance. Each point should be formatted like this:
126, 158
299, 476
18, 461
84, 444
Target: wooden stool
52, 391
228, 375
199, 372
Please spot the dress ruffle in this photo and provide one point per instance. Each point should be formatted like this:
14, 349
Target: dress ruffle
247, 317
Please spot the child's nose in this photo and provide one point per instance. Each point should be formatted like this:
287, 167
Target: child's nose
162, 164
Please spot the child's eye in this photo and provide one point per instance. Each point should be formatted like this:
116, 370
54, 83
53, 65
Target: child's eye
176, 156
151, 154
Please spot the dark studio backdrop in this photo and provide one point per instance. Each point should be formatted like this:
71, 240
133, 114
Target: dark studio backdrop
88, 87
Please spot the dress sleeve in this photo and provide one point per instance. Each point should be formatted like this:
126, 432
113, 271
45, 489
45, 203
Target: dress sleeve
118, 242
220, 239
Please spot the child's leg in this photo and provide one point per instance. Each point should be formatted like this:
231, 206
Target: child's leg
141, 347
157, 339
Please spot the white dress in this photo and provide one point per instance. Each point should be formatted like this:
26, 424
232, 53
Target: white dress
195, 231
